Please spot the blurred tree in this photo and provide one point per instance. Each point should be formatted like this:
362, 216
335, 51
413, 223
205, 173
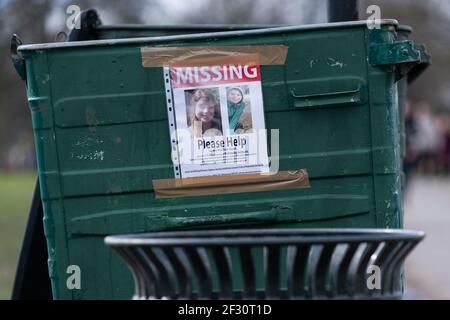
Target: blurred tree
30, 19
253, 12
26, 17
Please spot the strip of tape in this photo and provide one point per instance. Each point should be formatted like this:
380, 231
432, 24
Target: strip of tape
172, 188
212, 55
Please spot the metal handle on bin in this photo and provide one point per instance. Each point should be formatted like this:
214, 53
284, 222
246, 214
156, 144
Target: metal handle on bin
403, 55
337, 98
87, 21
425, 61
16, 58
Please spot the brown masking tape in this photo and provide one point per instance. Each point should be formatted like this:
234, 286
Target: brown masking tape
171, 188
213, 55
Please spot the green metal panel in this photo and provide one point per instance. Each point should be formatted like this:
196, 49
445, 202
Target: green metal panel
101, 134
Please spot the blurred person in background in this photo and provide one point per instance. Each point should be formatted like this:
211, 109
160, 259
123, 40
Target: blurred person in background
411, 157
444, 154
427, 140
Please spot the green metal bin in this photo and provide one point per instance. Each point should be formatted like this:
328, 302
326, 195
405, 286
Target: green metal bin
101, 135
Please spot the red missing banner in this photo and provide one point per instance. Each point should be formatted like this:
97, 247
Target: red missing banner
198, 76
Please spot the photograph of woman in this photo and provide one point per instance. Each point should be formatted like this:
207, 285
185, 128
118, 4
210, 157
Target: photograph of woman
203, 112
239, 115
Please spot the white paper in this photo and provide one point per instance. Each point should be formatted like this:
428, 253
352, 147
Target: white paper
210, 140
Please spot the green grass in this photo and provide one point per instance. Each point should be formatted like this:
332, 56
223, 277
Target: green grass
16, 191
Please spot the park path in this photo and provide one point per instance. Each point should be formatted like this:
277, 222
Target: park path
427, 208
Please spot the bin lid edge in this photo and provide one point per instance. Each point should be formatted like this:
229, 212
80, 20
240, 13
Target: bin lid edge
150, 40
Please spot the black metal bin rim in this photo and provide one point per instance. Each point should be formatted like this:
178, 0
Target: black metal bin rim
232, 237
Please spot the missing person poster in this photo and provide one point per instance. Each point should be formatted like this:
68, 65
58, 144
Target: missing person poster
219, 120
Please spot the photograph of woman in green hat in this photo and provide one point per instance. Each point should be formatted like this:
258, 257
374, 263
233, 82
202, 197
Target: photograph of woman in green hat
239, 115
